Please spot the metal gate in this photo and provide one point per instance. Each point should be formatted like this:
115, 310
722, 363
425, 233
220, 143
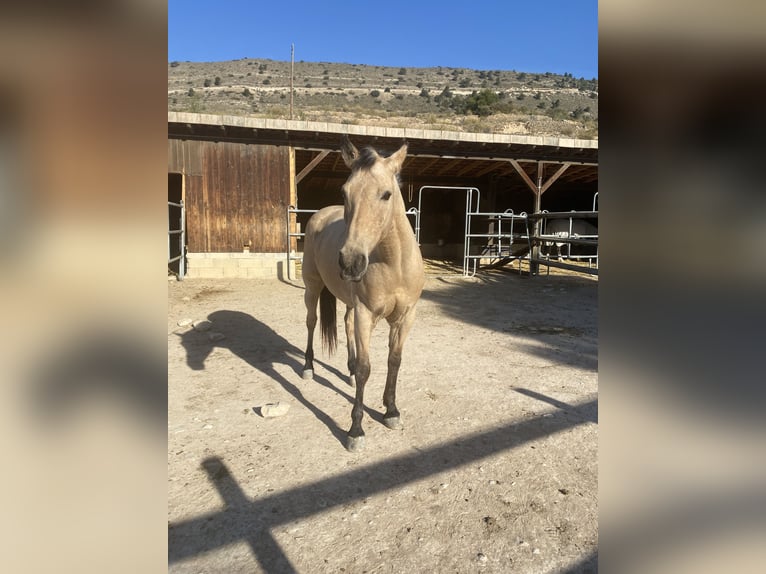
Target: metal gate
298, 234
293, 254
177, 230
568, 237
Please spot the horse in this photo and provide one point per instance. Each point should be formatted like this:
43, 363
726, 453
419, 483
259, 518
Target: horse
365, 254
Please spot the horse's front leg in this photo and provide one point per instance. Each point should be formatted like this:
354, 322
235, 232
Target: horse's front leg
397, 335
363, 324
349, 321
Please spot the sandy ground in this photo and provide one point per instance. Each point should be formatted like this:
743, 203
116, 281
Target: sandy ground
495, 470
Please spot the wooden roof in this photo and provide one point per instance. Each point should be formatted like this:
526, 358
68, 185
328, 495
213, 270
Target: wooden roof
431, 153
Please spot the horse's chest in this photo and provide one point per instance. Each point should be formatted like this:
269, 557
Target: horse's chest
381, 302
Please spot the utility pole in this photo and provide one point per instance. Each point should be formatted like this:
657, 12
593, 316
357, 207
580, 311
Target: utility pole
292, 75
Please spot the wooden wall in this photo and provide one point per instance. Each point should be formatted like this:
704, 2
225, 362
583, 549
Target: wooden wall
234, 193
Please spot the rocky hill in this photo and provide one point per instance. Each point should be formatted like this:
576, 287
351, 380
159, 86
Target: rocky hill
458, 99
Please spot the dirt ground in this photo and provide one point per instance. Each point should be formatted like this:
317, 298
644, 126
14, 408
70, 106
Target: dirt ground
495, 470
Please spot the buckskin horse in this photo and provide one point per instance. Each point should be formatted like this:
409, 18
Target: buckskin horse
365, 254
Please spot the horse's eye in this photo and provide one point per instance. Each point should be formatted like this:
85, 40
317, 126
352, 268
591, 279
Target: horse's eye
386, 196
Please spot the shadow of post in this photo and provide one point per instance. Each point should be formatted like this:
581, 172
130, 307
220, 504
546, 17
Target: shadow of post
252, 521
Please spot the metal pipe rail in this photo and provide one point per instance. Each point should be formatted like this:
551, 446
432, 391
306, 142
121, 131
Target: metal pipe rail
569, 238
497, 249
181, 233
291, 255
564, 215
588, 240
468, 200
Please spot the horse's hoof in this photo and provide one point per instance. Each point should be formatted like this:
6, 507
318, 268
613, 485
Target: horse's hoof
394, 423
308, 374
355, 443
352, 381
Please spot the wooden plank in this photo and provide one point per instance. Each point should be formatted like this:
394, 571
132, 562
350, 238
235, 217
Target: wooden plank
493, 166
311, 165
194, 213
241, 195
524, 176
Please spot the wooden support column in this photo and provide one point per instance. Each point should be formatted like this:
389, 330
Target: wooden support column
492, 207
535, 188
292, 221
538, 189
534, 268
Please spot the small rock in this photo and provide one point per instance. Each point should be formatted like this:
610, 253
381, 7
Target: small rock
207, 427
272, 410
187, 298
536, 551
481, 557
563, 491
202, 325
213, 336
493, 482
184, 322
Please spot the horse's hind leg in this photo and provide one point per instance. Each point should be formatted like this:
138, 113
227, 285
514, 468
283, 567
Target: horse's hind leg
311, 297
349, 320
397, 336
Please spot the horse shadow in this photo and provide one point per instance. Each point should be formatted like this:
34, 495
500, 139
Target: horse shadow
263, 349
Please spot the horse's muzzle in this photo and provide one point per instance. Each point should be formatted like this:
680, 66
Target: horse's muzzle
352, 266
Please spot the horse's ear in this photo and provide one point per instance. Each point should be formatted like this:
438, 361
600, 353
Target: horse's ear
348, 151
396, 159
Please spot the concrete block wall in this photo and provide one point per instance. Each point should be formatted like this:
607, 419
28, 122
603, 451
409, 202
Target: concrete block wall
245, 265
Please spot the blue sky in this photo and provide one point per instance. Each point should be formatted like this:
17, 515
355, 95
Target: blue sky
556, 36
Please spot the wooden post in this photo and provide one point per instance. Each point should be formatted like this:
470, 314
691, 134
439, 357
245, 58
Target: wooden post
293, 244
492, 208
534, 268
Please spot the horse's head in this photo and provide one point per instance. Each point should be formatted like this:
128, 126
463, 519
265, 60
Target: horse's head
371, 198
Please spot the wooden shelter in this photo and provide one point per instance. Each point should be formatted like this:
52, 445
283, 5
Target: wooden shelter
237, 177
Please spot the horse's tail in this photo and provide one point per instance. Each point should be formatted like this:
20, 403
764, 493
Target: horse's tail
327, 320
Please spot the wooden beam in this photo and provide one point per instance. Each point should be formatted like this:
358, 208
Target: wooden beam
493, 165
470, 166
448, 166
554, 177
524, 176
311, 165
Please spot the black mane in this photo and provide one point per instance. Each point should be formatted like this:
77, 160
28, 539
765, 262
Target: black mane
366, 159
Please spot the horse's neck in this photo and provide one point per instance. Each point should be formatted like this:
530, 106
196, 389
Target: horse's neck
396, 242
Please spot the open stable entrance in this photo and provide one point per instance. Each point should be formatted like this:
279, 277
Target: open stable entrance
449, 225
176, 226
